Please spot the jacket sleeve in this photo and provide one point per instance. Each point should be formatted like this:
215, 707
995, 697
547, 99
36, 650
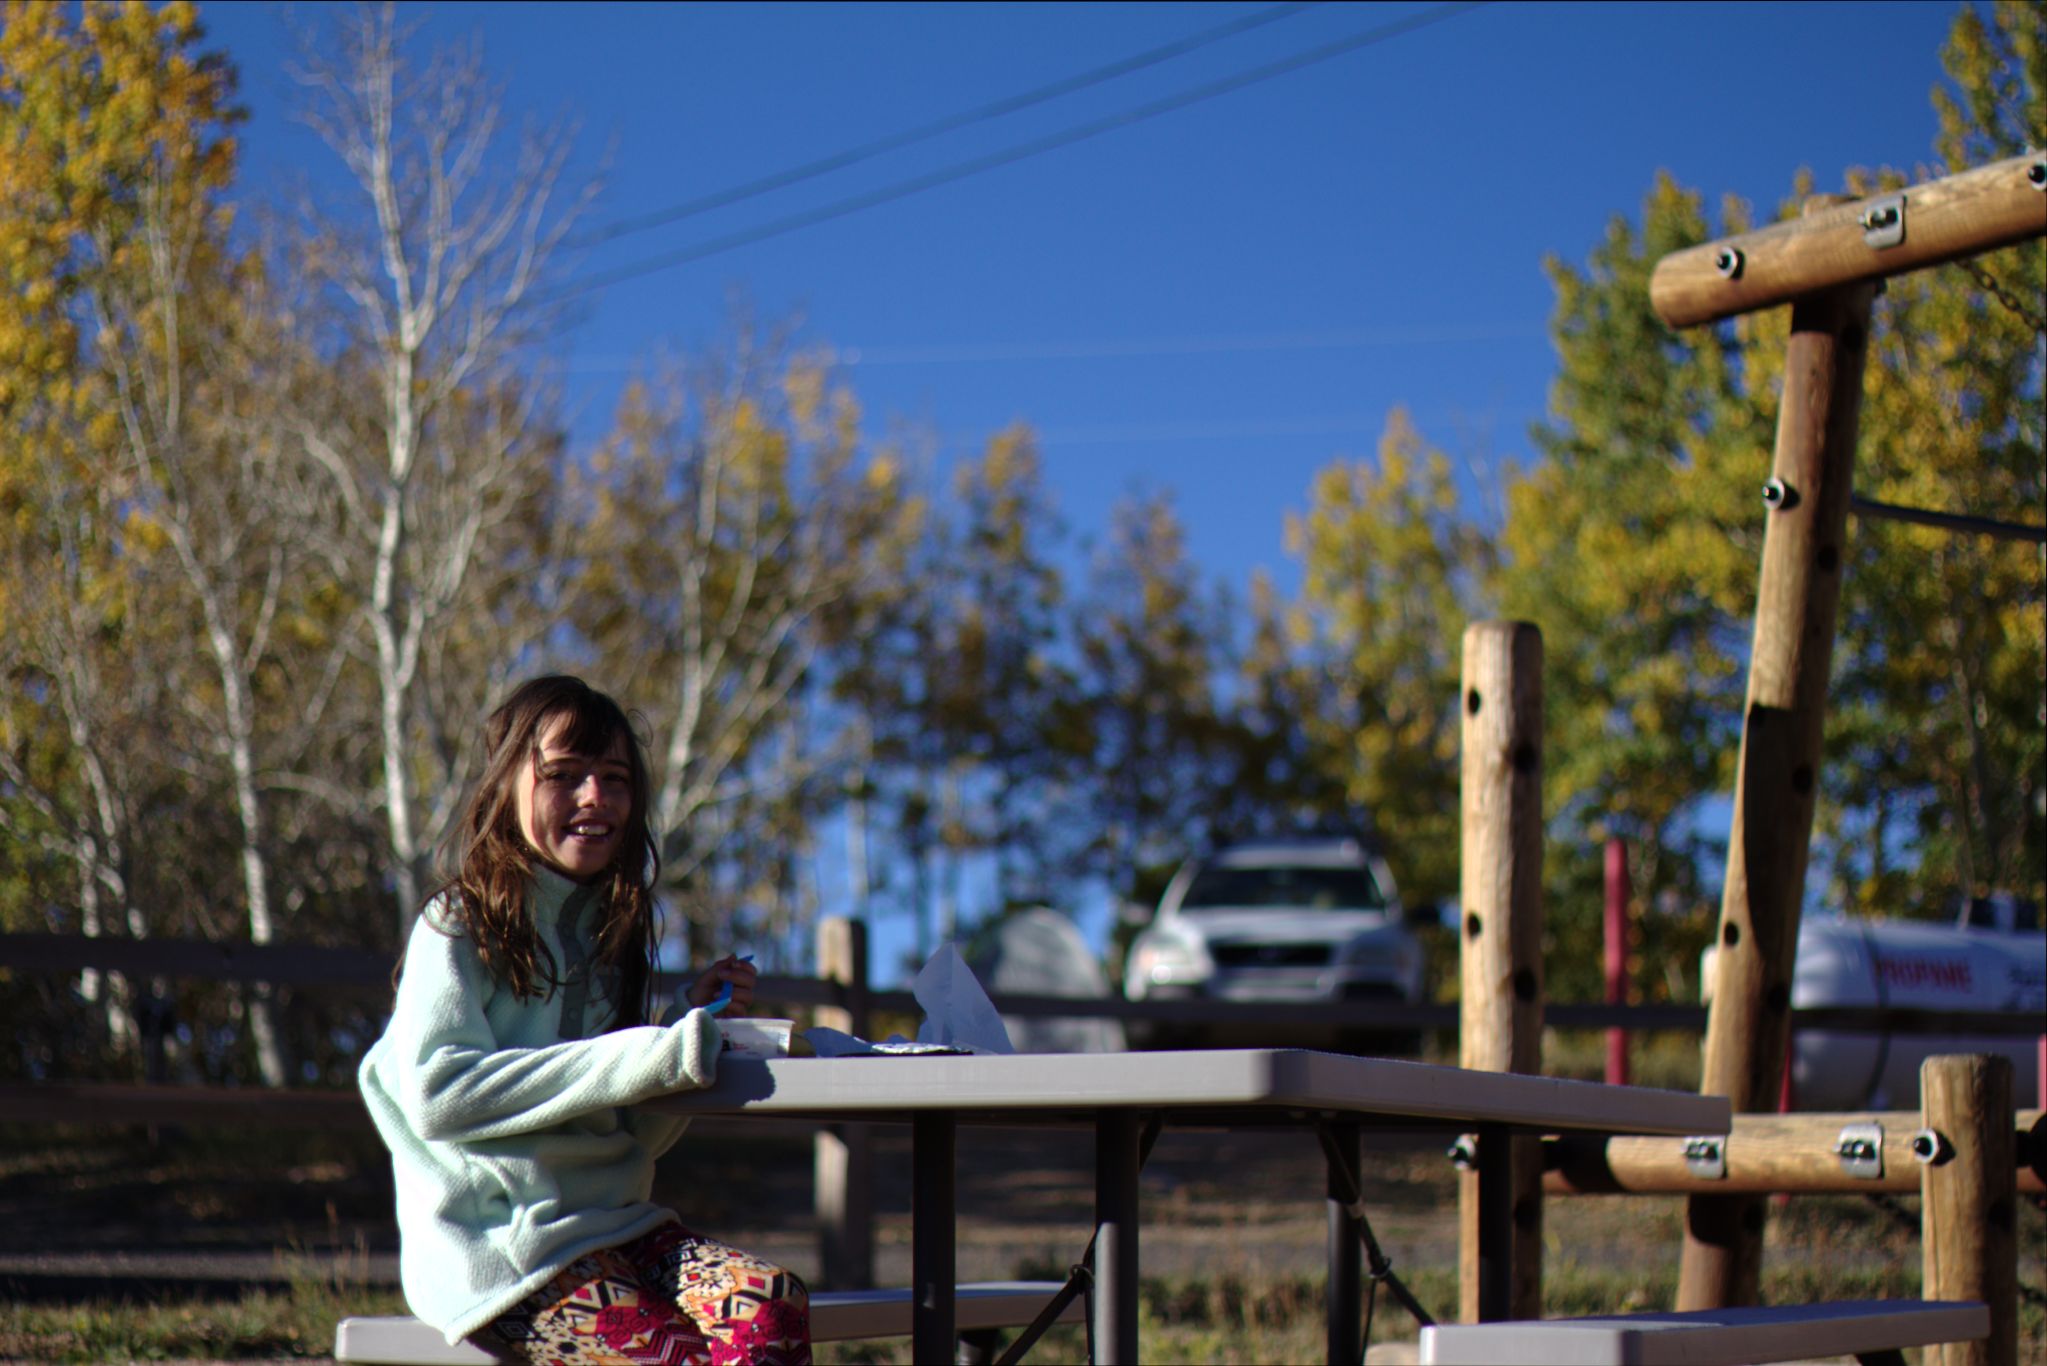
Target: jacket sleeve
443, 1066
656, 1130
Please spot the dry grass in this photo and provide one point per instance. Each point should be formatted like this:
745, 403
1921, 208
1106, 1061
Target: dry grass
1603, 1253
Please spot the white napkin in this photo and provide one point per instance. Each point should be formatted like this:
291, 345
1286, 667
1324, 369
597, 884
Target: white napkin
958, 1017
957, 1013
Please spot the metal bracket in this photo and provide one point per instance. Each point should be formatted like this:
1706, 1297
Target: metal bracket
1706, 1157
1883, 221
1931, 1147
1463, 1154
1861, 1150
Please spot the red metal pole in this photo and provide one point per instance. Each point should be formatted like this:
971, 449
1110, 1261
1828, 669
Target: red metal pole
1616, 957
1787, 1096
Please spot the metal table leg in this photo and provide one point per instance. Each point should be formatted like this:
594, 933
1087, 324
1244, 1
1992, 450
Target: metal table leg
1115, 1308
1495, 1225
933, 1139
1340, 1154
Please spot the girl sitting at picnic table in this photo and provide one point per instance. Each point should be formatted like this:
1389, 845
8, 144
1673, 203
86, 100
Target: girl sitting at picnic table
518, 1046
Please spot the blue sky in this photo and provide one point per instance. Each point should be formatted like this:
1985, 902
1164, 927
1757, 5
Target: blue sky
1212, 303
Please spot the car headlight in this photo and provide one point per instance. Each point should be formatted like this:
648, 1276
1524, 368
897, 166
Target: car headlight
1166, 962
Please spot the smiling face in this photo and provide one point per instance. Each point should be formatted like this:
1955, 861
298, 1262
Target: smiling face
573, 807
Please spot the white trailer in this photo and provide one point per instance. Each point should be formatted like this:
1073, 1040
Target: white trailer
1983, 961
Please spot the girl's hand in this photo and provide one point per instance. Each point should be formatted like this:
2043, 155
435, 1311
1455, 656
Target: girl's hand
738, 971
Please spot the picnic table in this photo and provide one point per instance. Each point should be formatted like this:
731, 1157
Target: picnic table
1120, 1095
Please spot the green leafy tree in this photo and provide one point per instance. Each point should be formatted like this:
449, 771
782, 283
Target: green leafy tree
1154, 647
1941, 728
1291, 767
1001, 698
1392, 573
732, 531
1633, 545
112, 147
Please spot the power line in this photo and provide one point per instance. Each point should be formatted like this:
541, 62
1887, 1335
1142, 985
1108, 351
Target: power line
835, 161
902, 189
1137, 348
978, 353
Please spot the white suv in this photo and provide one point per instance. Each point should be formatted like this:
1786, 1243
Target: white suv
1284, 921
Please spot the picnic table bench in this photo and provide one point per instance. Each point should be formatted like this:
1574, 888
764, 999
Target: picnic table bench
1872, 1331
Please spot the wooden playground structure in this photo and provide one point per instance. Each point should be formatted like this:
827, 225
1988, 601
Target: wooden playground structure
1828, 265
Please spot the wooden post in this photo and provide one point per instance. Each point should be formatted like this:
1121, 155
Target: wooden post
1616, 956
1970, 1201
1748, 1027
843, 1154
1501, 1020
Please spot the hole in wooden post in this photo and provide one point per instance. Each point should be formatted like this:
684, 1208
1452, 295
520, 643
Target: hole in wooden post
1778, 998
1472, 926
1524, 758
1524, 985
1730, 934
1828, 558
1471, 701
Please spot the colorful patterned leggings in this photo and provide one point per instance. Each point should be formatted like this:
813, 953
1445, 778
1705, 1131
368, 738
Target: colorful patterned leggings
669, 1297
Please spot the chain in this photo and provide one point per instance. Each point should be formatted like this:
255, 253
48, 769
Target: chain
2003, 295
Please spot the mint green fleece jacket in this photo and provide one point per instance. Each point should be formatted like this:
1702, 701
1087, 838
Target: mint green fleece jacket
511, 1141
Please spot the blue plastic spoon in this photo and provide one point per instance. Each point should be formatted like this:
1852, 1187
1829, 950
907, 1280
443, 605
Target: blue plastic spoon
724, 996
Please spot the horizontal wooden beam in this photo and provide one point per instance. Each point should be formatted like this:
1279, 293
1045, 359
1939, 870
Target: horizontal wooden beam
221, 960
1766, 1155
119, 1103
1924, 225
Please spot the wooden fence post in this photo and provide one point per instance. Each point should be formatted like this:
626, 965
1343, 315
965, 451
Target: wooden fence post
1970, 1200
1501, 1017
843, 1154
1777, 779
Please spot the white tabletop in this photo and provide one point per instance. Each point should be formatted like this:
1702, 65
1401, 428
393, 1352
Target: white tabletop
1228, 1086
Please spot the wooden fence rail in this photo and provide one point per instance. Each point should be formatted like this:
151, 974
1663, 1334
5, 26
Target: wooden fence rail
310, 967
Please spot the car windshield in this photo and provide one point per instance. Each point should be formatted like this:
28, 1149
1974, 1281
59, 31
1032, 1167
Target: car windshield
1318, 889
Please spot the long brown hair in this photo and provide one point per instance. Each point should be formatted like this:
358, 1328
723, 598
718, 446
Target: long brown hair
486, 897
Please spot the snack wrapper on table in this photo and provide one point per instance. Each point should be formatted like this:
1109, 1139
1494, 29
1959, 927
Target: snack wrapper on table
958, 1017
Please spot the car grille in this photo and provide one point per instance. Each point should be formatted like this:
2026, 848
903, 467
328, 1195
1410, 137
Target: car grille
1270, 955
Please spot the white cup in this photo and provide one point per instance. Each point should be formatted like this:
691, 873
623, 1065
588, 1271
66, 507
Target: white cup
752, 1038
